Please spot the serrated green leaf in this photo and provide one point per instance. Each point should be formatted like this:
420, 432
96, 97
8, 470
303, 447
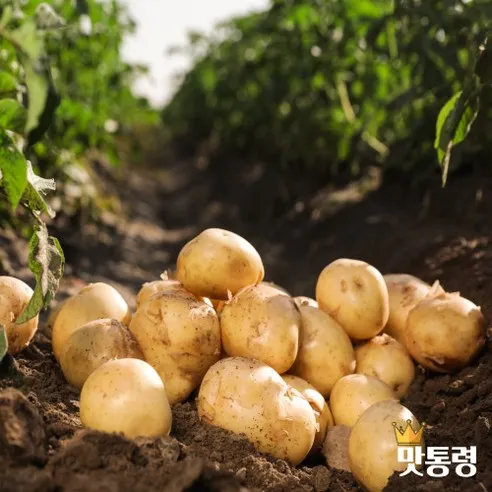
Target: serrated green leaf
35, 189
8, 83
12, 115
13, 169
46, 261
4, 343
453, 125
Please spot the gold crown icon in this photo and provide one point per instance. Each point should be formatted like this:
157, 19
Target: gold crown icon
409, 436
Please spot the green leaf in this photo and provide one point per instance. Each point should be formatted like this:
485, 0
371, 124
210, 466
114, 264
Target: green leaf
453, 125
35, 189
13, 169
8, 83
12, 115
27, 40
3, 342
46, 261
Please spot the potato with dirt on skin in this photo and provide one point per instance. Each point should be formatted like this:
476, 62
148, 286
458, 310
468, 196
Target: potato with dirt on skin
260, 322
148, 289
94, 301
246, 396
14, 297
217, 263
325, 351
179, 335
305, 301
373, 450
404, 293
444, 333
352, 395
127, 396
355, 295
92, 345
321, 410
388, 360
275, 286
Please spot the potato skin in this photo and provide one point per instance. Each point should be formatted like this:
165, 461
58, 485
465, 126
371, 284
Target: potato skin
94, 301
305, 301
355, 294
127, 396
352, 395
372, 444
148, 289
14, 297
325, 350
404, 293
388, 360
260, 322
444, 333
247, 396
217, 262
92, 345
179, 336
324, 419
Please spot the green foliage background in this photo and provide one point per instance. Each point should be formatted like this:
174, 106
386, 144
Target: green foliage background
332, 86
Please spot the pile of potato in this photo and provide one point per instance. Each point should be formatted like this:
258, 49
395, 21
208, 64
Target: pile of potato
279, 369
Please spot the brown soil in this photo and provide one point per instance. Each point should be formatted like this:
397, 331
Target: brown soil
444, 234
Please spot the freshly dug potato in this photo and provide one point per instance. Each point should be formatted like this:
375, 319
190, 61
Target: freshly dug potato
92, 345
94, 301
373, 454
355, 393
444, 333
275, 286
355, 294
318, 404
150, 288
260, 322
179, 336
217, 262
14, 297
405, 292
388, 360
218, 305
325, 350
247, 396
127, 396
305, 301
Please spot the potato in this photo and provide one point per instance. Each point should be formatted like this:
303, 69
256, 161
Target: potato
444, 333
94, 301
318, 404
325, 350
275, 286
355, 294
150, 288
388, 360
247, 396
92, 345
179, 336
14, 297
373, 454
260, 322
404, 292
217, 262
305, 301
127, 396
355, 393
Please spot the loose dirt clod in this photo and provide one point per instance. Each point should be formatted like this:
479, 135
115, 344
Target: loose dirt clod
335, 447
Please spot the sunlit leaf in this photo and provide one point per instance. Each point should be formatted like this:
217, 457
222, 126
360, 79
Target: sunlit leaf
12, 115
13, 169
453, 125
35, 190
46, 261
8, 83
